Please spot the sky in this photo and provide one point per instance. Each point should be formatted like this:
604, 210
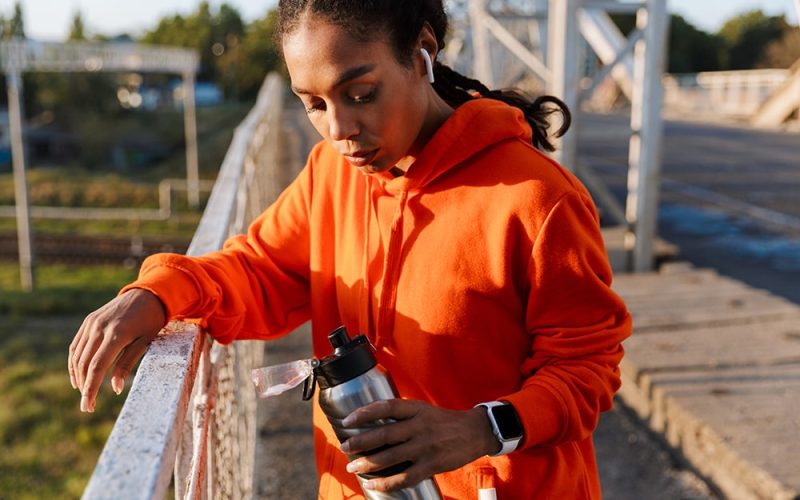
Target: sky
51, 19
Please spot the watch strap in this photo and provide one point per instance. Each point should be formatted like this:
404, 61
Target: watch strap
507, 445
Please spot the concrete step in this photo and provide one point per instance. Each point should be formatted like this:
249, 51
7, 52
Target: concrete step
714, 367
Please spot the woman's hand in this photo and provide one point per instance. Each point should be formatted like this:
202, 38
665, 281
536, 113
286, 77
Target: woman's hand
434, 439
123, 328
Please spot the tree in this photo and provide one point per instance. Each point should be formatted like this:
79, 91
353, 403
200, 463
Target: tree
216, 36
748, 35
784, 52
259, 56
227, 32
77, 32
14, 27
690, 49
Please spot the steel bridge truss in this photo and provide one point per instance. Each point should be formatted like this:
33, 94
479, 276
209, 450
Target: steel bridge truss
546, 45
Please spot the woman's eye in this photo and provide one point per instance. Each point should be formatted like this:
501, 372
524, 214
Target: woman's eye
314, 107
362, 95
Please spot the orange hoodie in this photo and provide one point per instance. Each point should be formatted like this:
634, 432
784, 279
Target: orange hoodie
479, 275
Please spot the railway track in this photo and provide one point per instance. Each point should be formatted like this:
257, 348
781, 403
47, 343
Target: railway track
81, 249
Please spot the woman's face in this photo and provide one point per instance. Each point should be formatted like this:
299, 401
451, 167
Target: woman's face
367, 105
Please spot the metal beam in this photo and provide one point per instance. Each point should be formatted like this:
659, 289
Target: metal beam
190, 129
614, 6
797, 9
480, 43
564, 61
645, 146
30, 55
610, 45
18, 56
24, 234
512, 44
609, 67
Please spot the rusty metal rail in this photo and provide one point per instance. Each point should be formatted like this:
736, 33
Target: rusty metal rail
82, 249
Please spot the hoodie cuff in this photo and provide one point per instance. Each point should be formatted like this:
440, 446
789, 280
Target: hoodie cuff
541, 412
173, 286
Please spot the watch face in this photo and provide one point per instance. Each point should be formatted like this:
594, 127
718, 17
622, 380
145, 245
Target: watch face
507, 421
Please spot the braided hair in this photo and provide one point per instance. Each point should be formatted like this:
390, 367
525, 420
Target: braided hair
403, 21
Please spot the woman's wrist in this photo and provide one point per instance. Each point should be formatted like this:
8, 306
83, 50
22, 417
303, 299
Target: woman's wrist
485, 438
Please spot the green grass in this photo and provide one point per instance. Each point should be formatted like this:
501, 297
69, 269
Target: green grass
49, 447
60, 289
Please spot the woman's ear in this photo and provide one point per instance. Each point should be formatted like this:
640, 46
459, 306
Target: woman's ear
427, 42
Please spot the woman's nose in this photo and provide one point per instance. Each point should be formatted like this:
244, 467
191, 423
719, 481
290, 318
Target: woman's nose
342, 124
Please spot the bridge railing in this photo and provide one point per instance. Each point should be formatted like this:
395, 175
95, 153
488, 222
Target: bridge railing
189, 414
728, 94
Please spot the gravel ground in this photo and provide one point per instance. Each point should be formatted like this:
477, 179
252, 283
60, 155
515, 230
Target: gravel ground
285, 452
633, 465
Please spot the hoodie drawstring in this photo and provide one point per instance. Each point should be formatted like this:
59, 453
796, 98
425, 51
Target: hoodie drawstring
391, 266
365, 310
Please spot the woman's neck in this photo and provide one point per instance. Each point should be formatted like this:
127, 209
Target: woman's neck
438, 113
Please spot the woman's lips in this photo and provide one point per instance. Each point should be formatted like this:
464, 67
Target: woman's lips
361, 158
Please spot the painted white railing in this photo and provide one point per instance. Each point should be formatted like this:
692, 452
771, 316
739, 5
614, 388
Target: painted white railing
189, 415
727, 94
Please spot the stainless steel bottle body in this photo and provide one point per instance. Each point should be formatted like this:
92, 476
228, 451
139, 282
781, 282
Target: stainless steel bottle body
340, 400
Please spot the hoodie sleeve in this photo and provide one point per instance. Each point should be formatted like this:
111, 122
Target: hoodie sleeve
576, 323
256, 287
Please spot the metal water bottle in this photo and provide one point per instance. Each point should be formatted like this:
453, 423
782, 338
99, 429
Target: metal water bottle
349, 379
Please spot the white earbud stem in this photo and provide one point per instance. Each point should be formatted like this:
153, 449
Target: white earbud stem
428, 64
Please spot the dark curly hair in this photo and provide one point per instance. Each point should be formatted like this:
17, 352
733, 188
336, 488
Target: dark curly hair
403, 21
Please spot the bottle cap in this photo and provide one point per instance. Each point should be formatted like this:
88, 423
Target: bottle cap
350, 358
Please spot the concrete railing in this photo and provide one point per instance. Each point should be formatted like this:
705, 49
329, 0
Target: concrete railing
727, 94
189, 414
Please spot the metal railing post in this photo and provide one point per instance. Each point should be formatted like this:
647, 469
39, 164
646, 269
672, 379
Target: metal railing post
22, 202
190, 128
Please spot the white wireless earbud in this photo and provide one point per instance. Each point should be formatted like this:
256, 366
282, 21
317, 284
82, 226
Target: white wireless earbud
428, 64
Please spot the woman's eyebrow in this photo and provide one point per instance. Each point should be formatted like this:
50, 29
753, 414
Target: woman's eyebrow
348, 75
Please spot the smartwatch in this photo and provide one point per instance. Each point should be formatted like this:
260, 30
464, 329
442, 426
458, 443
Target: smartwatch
505, 425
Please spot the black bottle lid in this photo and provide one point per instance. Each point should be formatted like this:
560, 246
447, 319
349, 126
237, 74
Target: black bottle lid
350, 358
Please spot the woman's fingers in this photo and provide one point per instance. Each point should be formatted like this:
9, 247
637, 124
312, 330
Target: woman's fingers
127, 324
132, 354
379, 437
408, 478
433, 439
75, 348
95, 372
397, 409
408, 450
92, 340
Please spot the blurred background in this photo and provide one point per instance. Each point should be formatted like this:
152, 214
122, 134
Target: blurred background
99, 142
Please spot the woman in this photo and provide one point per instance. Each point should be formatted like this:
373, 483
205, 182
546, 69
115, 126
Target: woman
472, 262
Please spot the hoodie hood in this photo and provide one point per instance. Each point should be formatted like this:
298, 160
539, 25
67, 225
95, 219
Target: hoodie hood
473, 127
